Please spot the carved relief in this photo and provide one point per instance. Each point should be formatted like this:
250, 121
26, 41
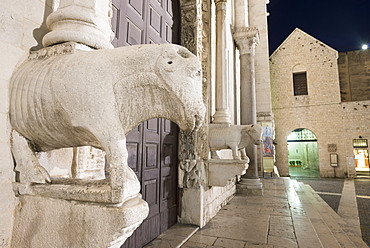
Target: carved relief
332, 147
192, 174
194, 145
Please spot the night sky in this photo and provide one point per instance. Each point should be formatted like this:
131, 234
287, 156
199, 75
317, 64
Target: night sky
341, 24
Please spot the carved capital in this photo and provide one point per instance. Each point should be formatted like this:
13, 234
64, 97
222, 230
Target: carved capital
220, 2
246, 38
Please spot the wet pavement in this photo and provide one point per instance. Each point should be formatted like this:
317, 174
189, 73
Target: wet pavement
289, 214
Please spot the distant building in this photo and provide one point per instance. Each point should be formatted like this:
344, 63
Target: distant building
321, 104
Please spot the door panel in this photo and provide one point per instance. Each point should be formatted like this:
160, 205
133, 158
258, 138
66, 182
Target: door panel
152, 146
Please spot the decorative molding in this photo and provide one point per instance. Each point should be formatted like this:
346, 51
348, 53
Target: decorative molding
60, 49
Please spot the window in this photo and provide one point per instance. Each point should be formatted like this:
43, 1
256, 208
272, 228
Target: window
300, 83
360, 143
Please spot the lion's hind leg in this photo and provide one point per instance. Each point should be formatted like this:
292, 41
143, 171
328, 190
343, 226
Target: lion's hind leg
29, 168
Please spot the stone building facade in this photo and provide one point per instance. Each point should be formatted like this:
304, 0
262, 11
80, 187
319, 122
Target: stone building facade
220, 30
320, 107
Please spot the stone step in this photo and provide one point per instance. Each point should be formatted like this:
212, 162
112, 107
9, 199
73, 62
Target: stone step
330, 228
331, 219
328, 231
174, 237
336, 222
304, 230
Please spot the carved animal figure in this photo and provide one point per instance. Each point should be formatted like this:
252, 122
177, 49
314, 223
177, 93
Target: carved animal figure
235, 138
96, 97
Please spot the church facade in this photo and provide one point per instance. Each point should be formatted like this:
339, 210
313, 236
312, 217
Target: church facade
81, 191
320, 125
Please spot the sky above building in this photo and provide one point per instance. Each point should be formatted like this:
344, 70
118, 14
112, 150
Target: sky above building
341, 24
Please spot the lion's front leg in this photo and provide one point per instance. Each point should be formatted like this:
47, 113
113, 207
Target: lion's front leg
29, 168
243, 154
234, 149
122, 178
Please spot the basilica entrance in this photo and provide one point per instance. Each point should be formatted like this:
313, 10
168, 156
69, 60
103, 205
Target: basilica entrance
152, 146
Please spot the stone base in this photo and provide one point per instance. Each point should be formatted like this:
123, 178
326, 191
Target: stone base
250, 187
47, 222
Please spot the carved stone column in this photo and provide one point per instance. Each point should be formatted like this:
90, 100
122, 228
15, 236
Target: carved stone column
193, 146
86, 22
222, 114
246, 39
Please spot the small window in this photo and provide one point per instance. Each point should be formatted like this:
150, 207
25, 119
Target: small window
300, 83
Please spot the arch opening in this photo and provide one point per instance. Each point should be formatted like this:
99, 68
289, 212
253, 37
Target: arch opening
303, 155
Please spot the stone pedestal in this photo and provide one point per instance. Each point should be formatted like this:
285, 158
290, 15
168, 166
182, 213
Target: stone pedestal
46, 222
192, 206
221, 170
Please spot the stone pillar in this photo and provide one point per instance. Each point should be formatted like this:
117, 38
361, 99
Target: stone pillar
246, 39
85, 22
222, 114
193, 146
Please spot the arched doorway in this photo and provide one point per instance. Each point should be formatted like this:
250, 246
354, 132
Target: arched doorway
303, 156
152, 146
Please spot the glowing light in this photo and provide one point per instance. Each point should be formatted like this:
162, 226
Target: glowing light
364, 47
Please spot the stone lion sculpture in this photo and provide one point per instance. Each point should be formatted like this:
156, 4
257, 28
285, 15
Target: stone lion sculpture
95, 98
235, 138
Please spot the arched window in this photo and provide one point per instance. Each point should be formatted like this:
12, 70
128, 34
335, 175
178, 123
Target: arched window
300, 80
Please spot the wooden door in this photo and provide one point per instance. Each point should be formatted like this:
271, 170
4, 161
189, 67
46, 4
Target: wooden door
145, 22
152, 146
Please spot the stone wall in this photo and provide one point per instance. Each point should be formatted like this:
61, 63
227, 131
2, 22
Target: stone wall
218, 197
356, 119
354, 76
21, 29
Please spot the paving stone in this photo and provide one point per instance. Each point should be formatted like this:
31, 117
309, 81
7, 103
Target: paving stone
203, 239
229, 243
190, 244
282, 242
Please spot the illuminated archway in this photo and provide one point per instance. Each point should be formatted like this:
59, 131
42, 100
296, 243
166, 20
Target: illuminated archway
303, 156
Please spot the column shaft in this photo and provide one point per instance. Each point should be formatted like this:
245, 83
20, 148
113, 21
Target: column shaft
222, 114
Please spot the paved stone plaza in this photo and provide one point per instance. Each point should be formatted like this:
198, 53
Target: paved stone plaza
290, 214
331, 191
